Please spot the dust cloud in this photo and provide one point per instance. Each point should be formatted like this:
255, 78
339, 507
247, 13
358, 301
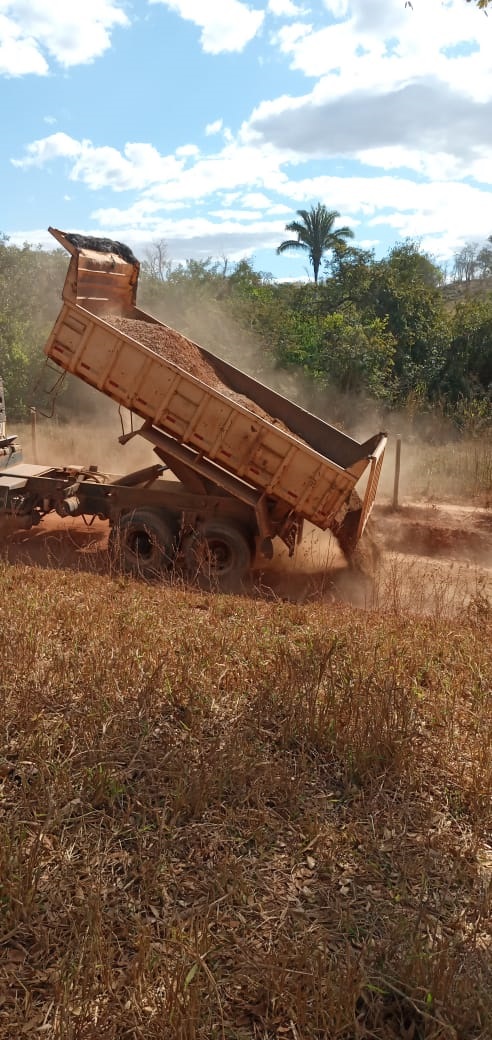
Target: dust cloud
86, 435
206, 322
435, 462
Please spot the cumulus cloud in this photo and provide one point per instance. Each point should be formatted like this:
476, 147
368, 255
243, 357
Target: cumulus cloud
19, 52
395, 88
139, 166
396, 91
424, 126
101, 167
35, 33
199, 236
214, 128
284, 8
188, 150
255, 200
227, 25
442, 213
46, 149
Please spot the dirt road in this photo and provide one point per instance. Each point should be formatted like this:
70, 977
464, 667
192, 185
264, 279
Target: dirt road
435, 559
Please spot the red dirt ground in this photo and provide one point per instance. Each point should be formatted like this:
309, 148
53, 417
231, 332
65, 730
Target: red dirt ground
434, 556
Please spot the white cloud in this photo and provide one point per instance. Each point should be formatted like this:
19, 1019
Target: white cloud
396, 88
199, 236
227, 214
34, 31
19, 52
227, 25
397, 92
138, 166
164, 179
245, 186
425, 126
255, 200
289, 37
214, 128
443, 213
47, 149
188, 150
377, 46
284, 8
338, 8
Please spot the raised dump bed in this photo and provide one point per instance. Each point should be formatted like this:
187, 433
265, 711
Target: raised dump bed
198, 410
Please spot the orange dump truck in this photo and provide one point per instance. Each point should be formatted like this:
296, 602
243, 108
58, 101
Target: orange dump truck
247, 465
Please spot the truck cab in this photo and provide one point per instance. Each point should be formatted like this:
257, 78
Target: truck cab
10, 451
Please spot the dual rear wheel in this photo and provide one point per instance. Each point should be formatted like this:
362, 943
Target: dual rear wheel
142, 543
145, 543
218, 555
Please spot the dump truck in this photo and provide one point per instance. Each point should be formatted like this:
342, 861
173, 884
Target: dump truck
240, 466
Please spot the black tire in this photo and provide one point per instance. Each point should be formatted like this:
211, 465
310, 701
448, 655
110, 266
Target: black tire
142, 543
218, 556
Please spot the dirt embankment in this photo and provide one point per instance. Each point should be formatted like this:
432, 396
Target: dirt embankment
457, 532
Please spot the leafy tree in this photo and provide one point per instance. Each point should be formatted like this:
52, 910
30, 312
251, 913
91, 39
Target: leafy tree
345, 351
468, 371
316, 235
30, 287
405, 292
243, 277
484, 259
351, 280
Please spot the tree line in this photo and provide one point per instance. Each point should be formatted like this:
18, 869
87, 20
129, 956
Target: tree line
377, 329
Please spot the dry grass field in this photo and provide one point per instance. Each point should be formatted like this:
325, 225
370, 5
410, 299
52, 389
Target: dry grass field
255, 817
237, 817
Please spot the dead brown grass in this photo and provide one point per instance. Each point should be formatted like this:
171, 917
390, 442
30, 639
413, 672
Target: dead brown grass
222, 817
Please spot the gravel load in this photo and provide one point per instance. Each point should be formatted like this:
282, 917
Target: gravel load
175, 347
101, 245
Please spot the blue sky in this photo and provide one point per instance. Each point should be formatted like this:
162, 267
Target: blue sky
208, 123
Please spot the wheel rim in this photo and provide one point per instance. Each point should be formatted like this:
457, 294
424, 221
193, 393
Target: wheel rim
140, 544
219, 555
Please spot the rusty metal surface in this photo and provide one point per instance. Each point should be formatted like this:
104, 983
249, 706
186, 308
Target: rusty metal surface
99, 280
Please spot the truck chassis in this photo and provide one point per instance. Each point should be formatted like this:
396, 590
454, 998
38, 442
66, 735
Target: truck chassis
213, 531
212, 526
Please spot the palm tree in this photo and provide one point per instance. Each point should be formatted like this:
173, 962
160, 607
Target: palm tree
315, 234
